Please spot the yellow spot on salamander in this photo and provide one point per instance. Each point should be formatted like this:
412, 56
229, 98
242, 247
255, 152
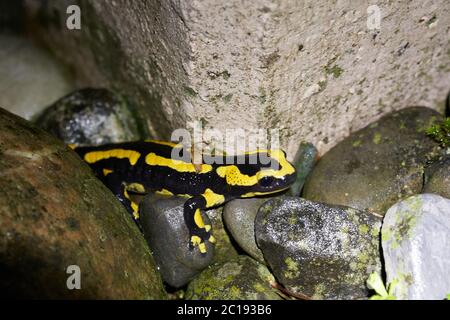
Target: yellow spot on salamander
212, 239
95, 156
134, 205
254, 194
135, 208
202, 247
164, 143
164, 192
106, 172
212, 198
196, 241
234, 177
285, 167
153, 159
198, 219
136, 187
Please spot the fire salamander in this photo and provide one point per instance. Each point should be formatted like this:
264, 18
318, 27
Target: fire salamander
148, 166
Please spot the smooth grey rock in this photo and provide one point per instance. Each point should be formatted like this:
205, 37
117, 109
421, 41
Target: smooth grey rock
91, 117
30, 78
378, 165
224, 249
416, 242
166, 233
317, 250
239, 279
437, 178
239, 216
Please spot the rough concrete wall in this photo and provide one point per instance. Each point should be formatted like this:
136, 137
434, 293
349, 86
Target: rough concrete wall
309, 68
345, 75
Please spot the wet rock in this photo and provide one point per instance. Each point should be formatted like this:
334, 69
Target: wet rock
415, 240
224, 249
92, 117
317, 250
304, 161
437, 178
239, 216
54, 214
164, 228
240, 279
30, 78
378, 165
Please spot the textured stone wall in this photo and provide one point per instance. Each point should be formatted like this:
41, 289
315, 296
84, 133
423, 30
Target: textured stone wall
313, 69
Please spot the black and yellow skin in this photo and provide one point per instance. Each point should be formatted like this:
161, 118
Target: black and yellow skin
147, 166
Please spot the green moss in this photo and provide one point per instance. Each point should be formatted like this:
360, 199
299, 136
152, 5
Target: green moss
293, 220
262, 95
337, 99
335, 70
386, 234
235, 292
319, 291
189, 91
440, 132
377, 138
356, 143
322, 85
292, 268
258, 287
227, 98
364, 228
404, 225
363, 258
240, 278
375, 231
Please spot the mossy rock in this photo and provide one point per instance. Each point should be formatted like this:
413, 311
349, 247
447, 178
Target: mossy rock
224, 247
239, 279
319, 251
378, 165
437, 178
239, 216
53, 214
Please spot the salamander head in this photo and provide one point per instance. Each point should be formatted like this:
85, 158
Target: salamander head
277, 176
262, 173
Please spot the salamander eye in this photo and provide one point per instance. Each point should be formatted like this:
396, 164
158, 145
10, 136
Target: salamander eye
266, 181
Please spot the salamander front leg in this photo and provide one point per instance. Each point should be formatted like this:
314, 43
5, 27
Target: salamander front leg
120, 190
199, 233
